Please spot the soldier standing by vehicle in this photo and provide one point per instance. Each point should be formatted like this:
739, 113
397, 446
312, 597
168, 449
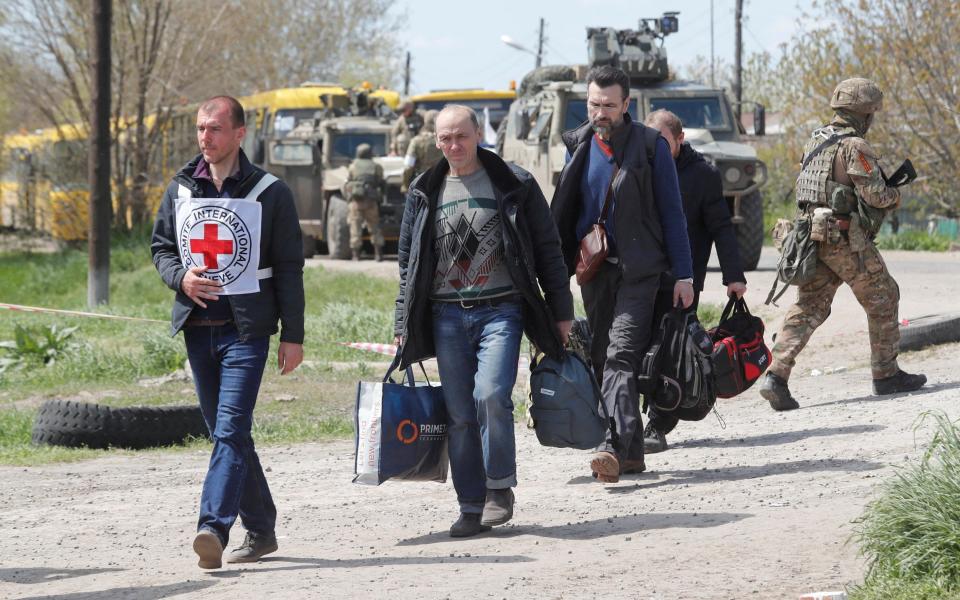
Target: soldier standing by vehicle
840, 174
363, 190
406, 127
422, 153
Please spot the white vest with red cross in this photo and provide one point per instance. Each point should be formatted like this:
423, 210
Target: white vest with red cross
223, 234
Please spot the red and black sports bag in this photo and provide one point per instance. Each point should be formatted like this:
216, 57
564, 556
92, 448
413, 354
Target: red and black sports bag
740, 355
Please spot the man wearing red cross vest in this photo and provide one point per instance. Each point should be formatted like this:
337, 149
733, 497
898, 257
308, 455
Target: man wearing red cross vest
227, 241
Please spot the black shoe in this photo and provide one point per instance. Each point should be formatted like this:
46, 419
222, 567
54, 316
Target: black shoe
653, 440
774, 389
253, 548
467, 525
499, 507
898, 384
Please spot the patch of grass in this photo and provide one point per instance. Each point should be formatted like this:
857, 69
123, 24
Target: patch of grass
709, 314
914, 240
911, 534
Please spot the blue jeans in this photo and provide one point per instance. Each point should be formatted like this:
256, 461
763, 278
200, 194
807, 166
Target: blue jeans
477, 353
227, 373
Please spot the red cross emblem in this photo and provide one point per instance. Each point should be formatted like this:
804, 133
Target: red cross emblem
211, 246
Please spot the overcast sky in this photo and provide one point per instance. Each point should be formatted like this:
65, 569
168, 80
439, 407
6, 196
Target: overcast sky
456, 44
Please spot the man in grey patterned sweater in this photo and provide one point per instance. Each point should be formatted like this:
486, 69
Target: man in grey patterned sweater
477, 246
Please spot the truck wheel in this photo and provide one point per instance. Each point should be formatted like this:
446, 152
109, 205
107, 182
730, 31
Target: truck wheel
930, 330
309, 245
750, 231
338, 230
75, 424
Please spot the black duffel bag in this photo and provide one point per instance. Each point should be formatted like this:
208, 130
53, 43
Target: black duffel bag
740, 356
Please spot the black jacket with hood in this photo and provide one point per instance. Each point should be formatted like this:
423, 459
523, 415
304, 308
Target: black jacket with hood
708, 217
280, 296
531, 254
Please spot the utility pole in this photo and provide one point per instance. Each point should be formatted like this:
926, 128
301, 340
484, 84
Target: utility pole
713, 62
738, 60
406, 77
98, 163
540, 41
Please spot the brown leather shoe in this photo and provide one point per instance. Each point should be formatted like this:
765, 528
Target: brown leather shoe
209, 549
605, 467
635, 465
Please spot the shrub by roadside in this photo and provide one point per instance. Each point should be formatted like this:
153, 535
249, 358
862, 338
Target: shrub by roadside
914, 240
911, 534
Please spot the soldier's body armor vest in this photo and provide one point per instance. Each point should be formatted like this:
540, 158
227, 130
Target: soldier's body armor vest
363, 181
815, 184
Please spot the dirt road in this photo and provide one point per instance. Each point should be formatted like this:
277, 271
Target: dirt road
759, 509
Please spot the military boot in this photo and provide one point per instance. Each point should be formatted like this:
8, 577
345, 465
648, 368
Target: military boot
378, 253
774, 389
355, 255
898, 384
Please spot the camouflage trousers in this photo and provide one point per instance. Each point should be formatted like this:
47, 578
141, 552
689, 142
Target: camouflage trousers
360, 212
874, 288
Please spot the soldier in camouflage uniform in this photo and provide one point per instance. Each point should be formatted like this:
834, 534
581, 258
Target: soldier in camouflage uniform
363, 190
840, 172
407, 125
422, 153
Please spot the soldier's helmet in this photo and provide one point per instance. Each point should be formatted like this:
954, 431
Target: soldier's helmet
364, 151
430, 121
858, 95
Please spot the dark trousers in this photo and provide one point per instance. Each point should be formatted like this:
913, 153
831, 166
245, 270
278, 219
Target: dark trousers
664, 422
620, 314
227, 373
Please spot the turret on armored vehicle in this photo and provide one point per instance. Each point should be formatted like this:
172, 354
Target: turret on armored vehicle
553, 99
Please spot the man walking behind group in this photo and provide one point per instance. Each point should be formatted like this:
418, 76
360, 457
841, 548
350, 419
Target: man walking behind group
840, 172
223, 212
476, 247
626, 165
708, 220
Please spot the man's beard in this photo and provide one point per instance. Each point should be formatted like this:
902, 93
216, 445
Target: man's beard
606, 128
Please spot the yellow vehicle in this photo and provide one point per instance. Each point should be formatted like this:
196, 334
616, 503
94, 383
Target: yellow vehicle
496, 102
43, 174
43, 182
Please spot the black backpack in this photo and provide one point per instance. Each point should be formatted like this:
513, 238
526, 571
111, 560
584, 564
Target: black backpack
676, 372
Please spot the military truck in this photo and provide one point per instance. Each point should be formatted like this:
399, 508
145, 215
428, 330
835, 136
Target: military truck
313, 159
553, 99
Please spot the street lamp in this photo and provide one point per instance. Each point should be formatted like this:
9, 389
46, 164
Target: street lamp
509, 41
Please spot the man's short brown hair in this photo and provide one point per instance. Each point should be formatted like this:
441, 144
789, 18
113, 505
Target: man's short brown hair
236, 109
472, 114
664, 118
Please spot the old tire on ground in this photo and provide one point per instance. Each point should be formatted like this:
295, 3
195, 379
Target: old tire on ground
929, 331
309, 245
85, 424
338, 230
750, 231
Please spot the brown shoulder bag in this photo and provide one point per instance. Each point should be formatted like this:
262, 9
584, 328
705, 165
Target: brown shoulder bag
593, 247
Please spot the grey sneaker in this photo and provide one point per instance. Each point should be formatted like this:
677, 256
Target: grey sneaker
654, 440
774, 389
254, 547
499, 507
209, 548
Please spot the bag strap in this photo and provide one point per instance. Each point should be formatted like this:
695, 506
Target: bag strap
606, 199
773, 296
833, 139
728, 310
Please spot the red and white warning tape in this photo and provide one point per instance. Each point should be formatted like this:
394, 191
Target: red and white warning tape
387, 349
74, 313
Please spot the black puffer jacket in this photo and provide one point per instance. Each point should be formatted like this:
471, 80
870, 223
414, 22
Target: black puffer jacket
708, 217
281, 296
532, 255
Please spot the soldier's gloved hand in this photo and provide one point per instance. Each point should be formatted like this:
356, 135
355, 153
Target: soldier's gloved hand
199, 288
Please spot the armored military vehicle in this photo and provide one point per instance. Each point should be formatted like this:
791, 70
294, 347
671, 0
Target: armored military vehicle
313, 159
553, 99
